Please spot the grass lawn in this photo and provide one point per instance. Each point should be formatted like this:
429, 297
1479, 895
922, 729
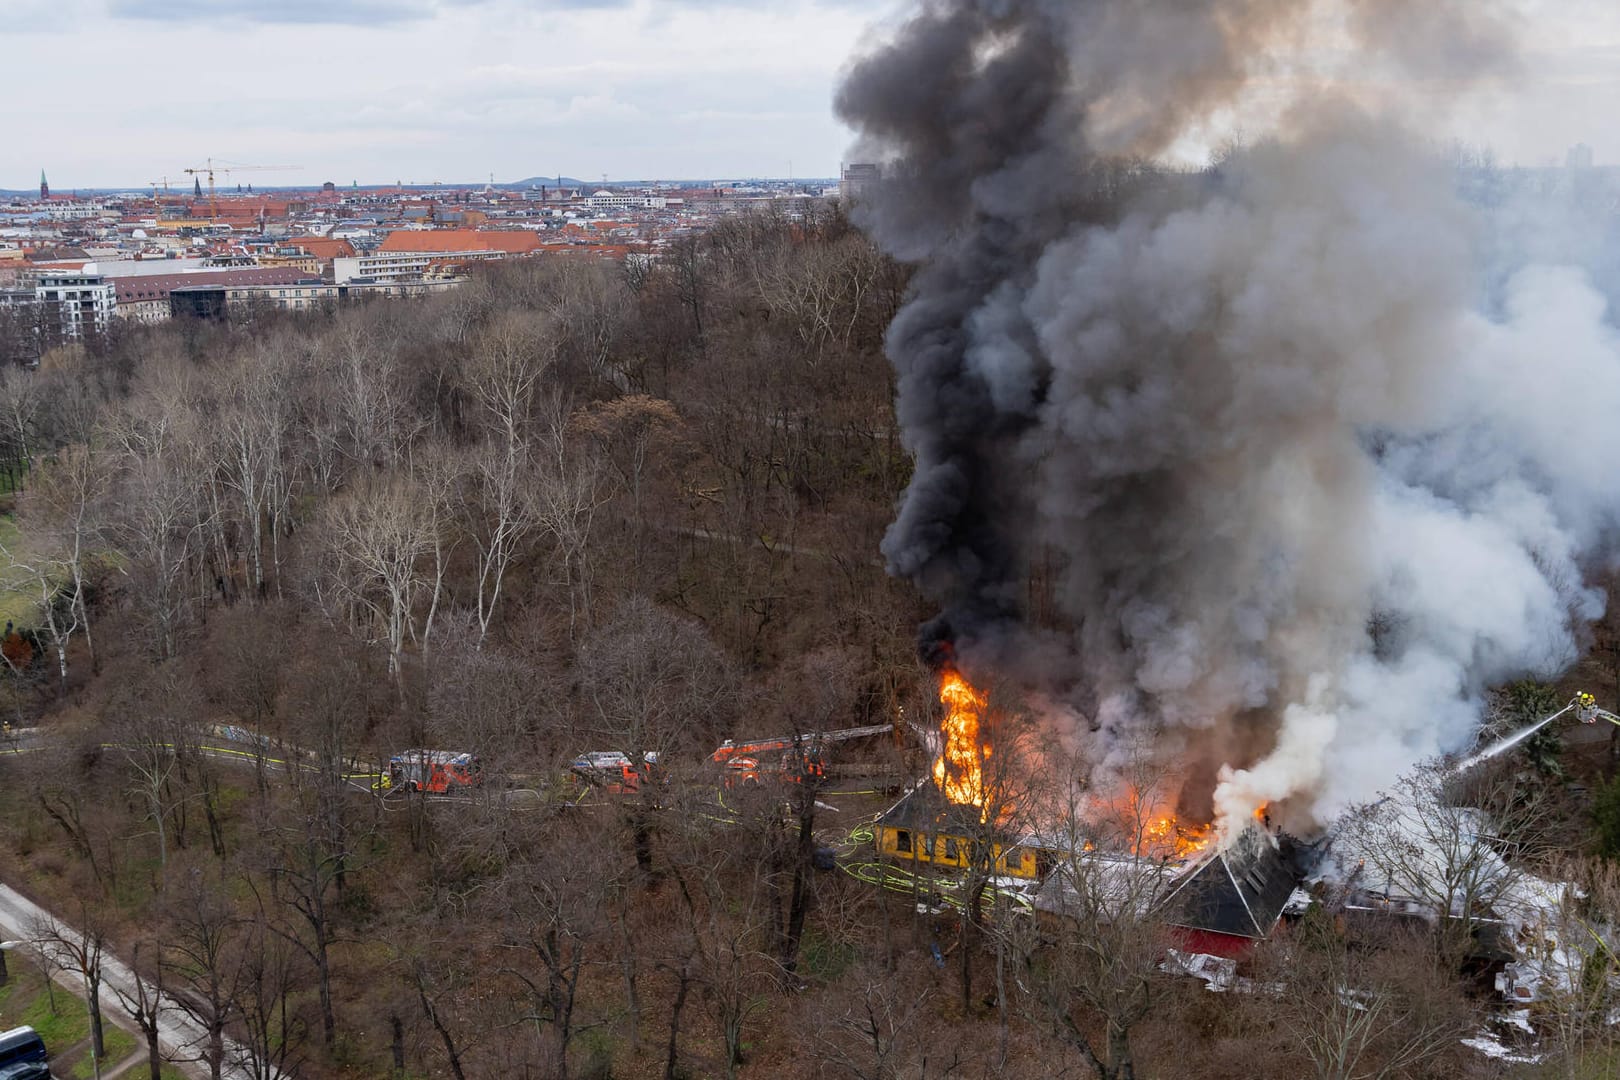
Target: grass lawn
119, 1045
24, 1001
19, 592
68, 1025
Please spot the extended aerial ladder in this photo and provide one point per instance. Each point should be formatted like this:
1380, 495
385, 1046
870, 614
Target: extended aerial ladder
1583, 705
791, 757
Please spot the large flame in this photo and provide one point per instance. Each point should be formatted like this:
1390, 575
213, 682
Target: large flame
959, 771
1167, 835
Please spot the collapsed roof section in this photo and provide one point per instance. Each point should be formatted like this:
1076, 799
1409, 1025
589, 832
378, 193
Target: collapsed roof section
1239, 892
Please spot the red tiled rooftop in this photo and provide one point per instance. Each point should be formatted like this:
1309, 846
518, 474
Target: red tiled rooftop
445, 241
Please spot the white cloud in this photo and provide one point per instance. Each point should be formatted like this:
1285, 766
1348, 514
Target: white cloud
442, 90
116, 92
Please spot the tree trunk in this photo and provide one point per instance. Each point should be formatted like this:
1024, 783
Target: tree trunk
450, 1048
627, 969
1120, 1064
216, 1048
799, 896
683, 985
98, 1042
323, 968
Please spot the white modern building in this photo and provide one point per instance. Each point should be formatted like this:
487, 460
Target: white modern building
624, 200
396, 266
76, 304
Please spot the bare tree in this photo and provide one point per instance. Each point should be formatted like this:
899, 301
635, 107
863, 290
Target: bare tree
551, 911
158, 532
272, 974
1567, 960
64, 517
1363, 1010
725, 933
380, 546
375, 423
1089, 966
651, 682
251, 430
58, 618
567, 490
500, 515
21, 403
1418, 846
874, 1038
143, 1002
637, 435
200, 955
80, 951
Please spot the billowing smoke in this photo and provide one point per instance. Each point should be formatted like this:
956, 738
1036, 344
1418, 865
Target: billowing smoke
1309, 456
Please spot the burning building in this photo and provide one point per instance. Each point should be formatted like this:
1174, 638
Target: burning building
1234, 896
1264, 424
963, 817
926, 827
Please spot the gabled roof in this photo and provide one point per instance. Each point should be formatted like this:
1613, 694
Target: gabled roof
925, 809
1240, 891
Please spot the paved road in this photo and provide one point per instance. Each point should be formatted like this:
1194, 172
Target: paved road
179, 1035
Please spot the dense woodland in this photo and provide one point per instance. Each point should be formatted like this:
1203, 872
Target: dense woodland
574, 506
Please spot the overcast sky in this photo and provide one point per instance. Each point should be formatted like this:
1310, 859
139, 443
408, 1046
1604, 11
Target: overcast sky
123, 92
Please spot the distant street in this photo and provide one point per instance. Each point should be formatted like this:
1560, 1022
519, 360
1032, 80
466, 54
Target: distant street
179, 1034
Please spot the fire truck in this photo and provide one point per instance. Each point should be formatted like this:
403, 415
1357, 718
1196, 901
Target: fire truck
795, 758
435, 771
613, 771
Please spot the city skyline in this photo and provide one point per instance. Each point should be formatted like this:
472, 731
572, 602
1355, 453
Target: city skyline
451, 91
432, 90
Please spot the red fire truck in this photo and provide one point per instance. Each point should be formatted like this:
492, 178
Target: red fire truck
794, 758
613, 771
435, 771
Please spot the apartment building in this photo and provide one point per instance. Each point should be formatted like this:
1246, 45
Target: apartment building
76, 304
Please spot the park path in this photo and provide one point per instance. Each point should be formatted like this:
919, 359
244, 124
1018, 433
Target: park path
179, 1035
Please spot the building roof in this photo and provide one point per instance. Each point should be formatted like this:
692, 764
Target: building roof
1240, 891
322, 247
444, 241
925, 809
157, 286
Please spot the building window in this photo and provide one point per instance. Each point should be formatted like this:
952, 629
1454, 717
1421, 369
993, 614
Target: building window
950, 848
902, 840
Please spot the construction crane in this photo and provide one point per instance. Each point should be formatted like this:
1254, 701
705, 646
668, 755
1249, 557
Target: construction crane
164, 181
209, 168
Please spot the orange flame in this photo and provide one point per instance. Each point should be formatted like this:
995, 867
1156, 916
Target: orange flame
959, 771
1168, 835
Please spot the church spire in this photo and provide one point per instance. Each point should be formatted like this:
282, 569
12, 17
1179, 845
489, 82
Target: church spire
44, 188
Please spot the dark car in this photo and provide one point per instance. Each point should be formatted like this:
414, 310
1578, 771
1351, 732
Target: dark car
22, 1055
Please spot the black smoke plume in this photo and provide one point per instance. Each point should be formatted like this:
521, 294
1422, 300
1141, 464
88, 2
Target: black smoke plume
1262, 416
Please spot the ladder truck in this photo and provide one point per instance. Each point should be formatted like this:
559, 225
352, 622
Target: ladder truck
795, 758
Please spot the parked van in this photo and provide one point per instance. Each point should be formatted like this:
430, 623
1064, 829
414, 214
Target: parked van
22, 1055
